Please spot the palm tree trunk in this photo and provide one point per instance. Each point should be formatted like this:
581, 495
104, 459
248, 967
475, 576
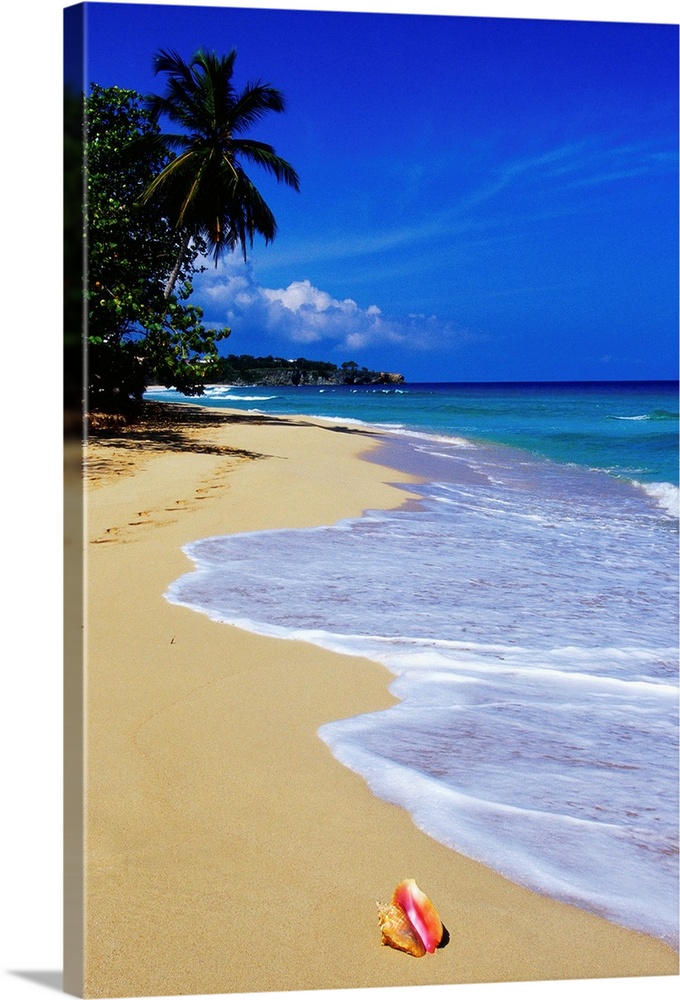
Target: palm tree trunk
174, 274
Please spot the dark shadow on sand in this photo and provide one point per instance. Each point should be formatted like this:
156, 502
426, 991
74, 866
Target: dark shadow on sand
446, 937
165, 427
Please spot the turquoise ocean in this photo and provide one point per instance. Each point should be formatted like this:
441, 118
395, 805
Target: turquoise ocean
526, 604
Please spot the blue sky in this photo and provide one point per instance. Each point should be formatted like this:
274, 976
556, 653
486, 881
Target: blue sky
482, 198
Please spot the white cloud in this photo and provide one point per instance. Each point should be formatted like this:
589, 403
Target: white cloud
304, 314
356, 341
304, 300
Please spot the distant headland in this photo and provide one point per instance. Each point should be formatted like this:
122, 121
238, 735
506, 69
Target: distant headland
244, 370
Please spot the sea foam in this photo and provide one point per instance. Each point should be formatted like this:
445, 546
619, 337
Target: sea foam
528, 614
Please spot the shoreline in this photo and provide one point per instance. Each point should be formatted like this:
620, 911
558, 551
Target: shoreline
212, 812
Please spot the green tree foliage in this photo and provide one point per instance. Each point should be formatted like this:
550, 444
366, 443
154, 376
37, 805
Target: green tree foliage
243, 369
203, 188
134, 333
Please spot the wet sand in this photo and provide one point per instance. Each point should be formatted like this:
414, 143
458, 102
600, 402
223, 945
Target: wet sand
226, 850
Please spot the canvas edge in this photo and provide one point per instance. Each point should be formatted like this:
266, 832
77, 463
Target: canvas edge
74, 62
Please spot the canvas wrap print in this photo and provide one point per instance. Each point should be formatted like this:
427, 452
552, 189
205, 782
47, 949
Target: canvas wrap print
371, 570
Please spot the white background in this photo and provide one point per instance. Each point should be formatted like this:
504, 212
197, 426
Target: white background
30, 521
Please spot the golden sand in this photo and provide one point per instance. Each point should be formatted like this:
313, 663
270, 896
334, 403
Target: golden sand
226, 850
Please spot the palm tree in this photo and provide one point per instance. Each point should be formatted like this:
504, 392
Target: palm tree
204, 190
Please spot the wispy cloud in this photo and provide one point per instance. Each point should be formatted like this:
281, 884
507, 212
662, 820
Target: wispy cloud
519, 191
587, 162
517, 201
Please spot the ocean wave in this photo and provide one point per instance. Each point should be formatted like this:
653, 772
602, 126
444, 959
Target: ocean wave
527, 845
228, 392
457, 442
251, 399
399, 430
550, 645
331, 419
665, 494
211, 393
654, 415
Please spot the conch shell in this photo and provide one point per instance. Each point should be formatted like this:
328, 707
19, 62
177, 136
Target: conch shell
397, 930
410, 922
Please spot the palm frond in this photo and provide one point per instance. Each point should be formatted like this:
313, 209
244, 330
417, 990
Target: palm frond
204, 189
256, 101
165, 177
265, 156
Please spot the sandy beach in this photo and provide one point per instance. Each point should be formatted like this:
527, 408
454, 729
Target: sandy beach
226, 850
